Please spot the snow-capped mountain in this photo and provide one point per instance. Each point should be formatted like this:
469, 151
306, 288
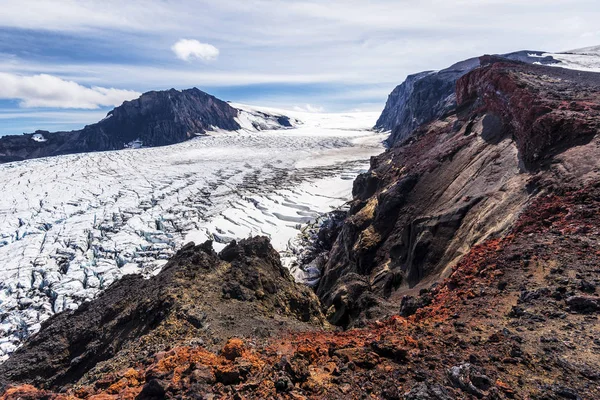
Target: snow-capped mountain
156, 118
71, 225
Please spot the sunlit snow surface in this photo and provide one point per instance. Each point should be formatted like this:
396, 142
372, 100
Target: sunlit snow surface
72, 225
587, 59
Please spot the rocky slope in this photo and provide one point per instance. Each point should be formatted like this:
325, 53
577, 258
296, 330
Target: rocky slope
156, 118
430, 95
198, 298
520, 130
466, 268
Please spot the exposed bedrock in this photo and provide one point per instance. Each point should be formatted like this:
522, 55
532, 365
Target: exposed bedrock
430, 95
519, 130
199, 298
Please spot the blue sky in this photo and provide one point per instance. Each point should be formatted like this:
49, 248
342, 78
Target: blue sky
64, 64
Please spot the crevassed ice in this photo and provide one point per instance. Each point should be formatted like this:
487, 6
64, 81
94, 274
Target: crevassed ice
72, 225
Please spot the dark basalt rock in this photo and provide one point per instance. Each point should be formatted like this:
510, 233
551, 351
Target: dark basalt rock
584, 304
183, 304
156, 118
430, 95
428, 199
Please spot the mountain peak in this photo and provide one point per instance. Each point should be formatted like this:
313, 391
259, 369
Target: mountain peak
156, 118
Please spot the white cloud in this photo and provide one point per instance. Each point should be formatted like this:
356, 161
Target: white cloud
350, 42
187, 49
45, 90
309, 108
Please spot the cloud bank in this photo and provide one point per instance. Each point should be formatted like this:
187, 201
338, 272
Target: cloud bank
45, 90
188, 49
339, 54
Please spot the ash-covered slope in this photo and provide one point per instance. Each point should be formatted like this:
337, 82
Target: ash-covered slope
198, 298
156, 118
520, 129
430, 95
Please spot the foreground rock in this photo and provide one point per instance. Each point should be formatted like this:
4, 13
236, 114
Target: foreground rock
197, 299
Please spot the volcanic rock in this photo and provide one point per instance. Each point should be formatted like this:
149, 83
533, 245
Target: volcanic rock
181, 305
431, 95
518, 130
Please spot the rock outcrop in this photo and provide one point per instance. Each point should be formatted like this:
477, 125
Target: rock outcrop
460, 180
430, 95
156, 118
198, 298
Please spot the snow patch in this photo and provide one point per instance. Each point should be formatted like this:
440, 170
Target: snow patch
134, 144
584, 61
38, 137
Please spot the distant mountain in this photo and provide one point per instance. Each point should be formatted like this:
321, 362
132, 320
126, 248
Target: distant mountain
429, 95
156, 118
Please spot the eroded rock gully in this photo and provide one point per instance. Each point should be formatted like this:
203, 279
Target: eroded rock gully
467, 268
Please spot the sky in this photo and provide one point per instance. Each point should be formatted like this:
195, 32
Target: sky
66, 63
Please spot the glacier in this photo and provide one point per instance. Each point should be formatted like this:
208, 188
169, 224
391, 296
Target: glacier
586, 59
72, 225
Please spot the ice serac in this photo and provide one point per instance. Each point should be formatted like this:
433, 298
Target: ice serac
156, 118
430, 95
518, 130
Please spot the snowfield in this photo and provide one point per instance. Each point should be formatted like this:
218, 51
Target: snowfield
72, 225
586, 59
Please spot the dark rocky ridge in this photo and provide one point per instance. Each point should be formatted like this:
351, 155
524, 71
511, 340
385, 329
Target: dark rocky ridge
198, 298
156, 118
430, 95
459, 180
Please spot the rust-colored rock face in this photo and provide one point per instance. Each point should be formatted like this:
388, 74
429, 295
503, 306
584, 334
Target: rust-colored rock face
543, 107
520, 130
428, 96
467, 268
